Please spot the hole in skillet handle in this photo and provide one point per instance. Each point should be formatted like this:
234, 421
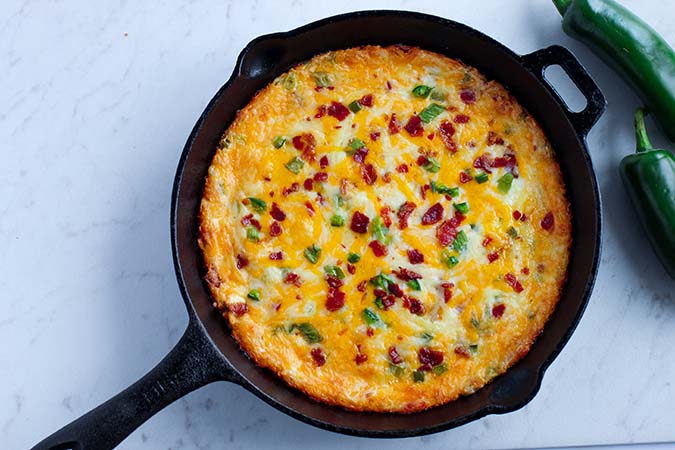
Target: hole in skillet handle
555, 55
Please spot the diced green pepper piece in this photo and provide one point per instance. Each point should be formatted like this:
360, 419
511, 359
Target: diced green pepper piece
254, 294
334, 271
382, 281
252, 234
504, 183
312, 254
355, 144
462, 207
295, 165
512, 232
418, 376
257, 204
481, 177
353, 258
421, 91
354, 106
336, 220
278, 141
460, 241
440, 369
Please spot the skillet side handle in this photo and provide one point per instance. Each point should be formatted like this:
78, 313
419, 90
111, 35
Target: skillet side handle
538, 61
191, 364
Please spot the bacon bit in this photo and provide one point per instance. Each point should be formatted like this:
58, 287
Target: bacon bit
318, 88
334, 281
430, 136
388, 85
498, 310
403, 213
461, 118
415, 257
335, 299
306, 144
395, 290
464, 177
446, 233
249, 220
323, 162
320, 198
292, 278
359, 223
517, 215
386, 177
467, 96
277, 213
433, 215
321, 176
499, 162
446, 130
414, 126
447, 291
423, 191
369, 331
361, 287
384, 214
379, 292
429, 357
457, 219
375, 135
403, 168
494, 139
360, 356
368, 174
320, 111
276, 256
318, 356
271, 193
548, 222
310, 208
242, 261
338, 110
275, 229
388, 301
367, 100
308, 184
512, 281
379, 250
238, 309
541, 268
351, 268
344, 183
483, 162
461, 350
406, 275
394, 356
212, 277
394, 124
422, 160
415, 306
360, 155
293, 188
492, 257
525, 271
487, 241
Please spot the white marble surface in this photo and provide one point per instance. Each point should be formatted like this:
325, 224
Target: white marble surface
96, 101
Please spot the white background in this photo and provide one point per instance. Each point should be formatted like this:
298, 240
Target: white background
92, 122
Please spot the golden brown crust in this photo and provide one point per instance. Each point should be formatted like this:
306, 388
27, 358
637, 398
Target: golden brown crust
498, 306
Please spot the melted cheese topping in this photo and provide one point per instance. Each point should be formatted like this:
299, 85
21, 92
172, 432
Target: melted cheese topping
494, 262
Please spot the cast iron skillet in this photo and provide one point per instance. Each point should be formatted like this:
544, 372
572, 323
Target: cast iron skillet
206, 353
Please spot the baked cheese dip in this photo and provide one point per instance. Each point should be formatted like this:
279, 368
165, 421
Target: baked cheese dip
385, 229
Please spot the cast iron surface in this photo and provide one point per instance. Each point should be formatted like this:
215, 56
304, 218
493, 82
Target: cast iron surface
207, 353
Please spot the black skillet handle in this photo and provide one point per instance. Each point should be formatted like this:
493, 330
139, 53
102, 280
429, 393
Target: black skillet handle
191, 364
538, 61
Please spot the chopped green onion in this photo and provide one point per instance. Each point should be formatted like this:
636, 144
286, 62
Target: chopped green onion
418, 376
337, 220
354, 106
378, 229
475, 322
512, 232
378, 303
323, 79
449, 259
443, 189
414, 285
355, 144
461, 207
481, 177
382, 281
295, 165
370, 317
278, 141
432, 165
460, 241
339, 201
395, 370
309, 333
504, 182
421, 91
440, 369
426, 336
312, 254
257, 204
335, 271
252, 234
439, 94
430, 112
353, 258
289, 82
254, 294
473, 348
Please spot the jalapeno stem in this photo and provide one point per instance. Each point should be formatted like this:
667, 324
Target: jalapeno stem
641, 139
562, 5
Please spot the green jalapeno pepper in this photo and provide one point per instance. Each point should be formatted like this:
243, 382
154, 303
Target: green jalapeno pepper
625, 42
649, 178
